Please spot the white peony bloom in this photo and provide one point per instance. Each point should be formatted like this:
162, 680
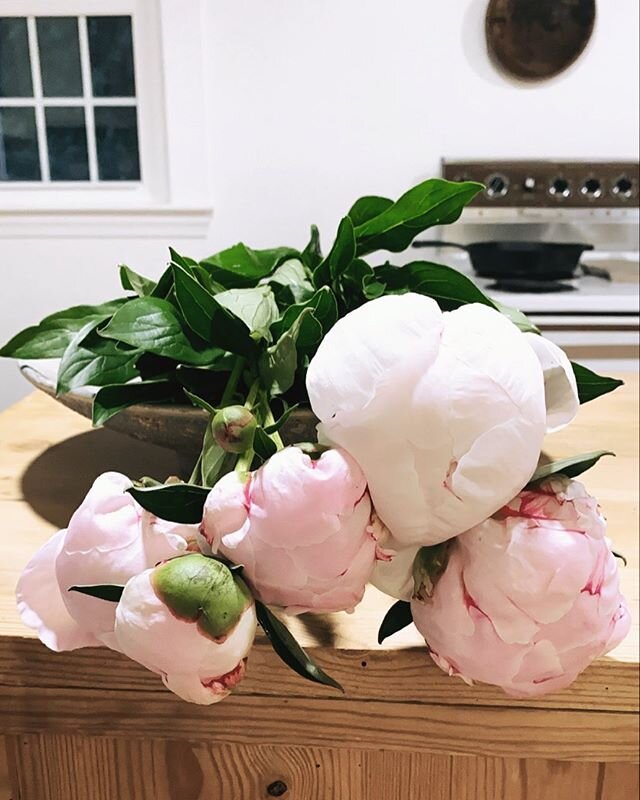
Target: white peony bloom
444, 412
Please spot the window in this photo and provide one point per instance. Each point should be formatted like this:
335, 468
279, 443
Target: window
103, 128
68, 108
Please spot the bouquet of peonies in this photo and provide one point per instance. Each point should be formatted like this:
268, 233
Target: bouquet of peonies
432, 403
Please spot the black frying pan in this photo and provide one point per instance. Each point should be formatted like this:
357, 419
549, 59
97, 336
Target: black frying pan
542, 261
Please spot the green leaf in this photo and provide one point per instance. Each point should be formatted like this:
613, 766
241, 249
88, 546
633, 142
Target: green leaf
359, 283
275, 427
289, 650
313, 327
152, 325
182, 261
517, 317
207, 383
278, 364
263, 445
200, 402
592, 385
433, 202
110, 400
175, 502
622, 557
290, 282
90, 360
448, 287
312, 254
50, 338
256, 307
205, 280
208, 317
396, 618
571, 467
367, 208
103, 591
164, 287
133, 282
340, 256
240, 267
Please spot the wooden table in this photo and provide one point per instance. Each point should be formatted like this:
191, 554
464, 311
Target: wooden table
92, 725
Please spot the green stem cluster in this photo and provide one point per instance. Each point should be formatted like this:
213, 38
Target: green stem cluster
256, 401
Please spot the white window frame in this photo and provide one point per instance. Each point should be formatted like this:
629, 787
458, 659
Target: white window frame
171, 198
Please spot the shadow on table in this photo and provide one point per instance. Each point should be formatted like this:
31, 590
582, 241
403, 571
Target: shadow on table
55, 483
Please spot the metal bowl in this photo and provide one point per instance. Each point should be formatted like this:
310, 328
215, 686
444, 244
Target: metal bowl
179, 428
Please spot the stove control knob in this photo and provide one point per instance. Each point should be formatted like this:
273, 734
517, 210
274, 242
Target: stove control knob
623, 187
591, 188
497, 186
529, 184
560, 187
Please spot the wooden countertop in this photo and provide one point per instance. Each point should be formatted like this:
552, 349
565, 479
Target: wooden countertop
393, 694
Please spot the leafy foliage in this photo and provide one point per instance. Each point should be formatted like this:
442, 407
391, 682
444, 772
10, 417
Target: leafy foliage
207, 332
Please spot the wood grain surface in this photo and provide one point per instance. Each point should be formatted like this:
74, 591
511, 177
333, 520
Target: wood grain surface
113, 769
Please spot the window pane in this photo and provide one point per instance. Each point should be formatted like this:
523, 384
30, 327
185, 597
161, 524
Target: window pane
59, 56
18, 145
67, 144
111, 51
117, 143
15, 68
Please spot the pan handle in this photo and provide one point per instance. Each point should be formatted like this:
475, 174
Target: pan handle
438, 243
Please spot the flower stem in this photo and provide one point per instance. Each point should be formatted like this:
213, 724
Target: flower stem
253, 393
232, 383
269, 420
243, 464
196, 474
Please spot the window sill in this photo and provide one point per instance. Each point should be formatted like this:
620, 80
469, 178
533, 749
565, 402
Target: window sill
121, 223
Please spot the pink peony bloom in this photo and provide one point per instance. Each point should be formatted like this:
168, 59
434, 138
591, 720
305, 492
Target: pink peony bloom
301, 528
444, 412
530, 597
191, 621
109, 539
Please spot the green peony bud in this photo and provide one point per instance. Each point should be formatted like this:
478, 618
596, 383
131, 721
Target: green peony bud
233, 428
200, 589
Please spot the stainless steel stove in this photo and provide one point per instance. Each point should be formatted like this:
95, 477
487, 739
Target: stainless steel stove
596, 319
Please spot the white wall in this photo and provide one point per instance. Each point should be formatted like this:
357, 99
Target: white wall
321, 100
313, 102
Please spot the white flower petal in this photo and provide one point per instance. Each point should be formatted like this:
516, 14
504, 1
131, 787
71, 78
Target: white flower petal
395, 576
560, 388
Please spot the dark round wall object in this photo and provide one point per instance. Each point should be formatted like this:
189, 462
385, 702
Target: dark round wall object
537, 39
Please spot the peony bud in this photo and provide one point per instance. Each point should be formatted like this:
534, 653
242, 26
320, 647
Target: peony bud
233, 428
530, 597
191, 620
